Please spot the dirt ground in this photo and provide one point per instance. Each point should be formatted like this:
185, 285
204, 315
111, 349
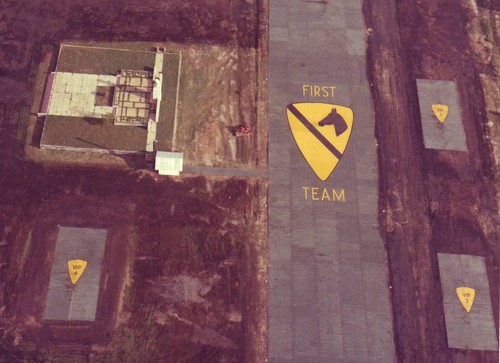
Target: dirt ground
30, 268
191, 285
444, 202
196, 259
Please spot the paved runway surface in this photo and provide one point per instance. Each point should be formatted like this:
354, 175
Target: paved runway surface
329, 293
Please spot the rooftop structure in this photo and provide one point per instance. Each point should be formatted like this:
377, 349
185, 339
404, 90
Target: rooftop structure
111, 100
133, 101
168, 163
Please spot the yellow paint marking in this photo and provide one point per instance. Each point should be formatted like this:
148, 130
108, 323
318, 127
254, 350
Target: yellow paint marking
315, 90
324, 194
466, 296
335, 132
75, 269
441, 111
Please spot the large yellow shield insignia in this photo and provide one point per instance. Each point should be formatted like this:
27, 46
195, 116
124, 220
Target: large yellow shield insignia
321, 131
441, 111
466, 296
75, 269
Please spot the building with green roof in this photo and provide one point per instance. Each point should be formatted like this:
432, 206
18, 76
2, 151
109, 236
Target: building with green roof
111, 100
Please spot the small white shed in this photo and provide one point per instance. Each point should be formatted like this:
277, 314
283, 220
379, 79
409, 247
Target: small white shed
169, 163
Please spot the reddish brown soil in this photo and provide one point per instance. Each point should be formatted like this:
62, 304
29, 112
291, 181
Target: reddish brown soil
28, 26
195, 228
26, 298
432, 201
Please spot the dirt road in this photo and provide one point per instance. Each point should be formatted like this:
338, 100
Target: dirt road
431, 201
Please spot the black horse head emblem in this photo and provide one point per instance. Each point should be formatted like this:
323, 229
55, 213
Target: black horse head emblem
338, 122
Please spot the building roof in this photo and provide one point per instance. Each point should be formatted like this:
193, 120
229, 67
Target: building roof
169, 163
97, 60
47, 94
76, 117
133, 97
169, 86
74, 94
91, 133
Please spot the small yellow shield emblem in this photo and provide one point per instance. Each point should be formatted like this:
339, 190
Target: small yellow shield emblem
466, 296
441, 111
322, 132
75, 269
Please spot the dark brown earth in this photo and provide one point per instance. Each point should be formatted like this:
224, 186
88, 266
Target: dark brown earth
195, 231
28, 25
185, 274
431, 201
26, 299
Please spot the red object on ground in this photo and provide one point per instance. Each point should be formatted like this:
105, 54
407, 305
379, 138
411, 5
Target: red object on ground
243, 130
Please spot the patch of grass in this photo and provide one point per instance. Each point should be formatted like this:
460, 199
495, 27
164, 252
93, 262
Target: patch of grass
133, 344
482, 3
92, 133
27, 247
29, 354
489, 31
165, 128
66, 358
486, 28
207, 250
129, 296
94, 60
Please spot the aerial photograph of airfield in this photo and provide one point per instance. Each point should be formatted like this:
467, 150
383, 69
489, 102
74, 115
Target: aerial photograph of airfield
226, 181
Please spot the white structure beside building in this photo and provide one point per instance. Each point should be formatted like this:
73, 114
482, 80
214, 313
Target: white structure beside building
169, 163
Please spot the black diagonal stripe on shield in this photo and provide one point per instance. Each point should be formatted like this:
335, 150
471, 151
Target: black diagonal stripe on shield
314, 131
